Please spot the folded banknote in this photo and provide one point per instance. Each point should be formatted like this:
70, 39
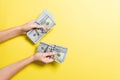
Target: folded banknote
46, 22
59, 51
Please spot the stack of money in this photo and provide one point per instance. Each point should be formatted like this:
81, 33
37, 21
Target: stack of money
59, 51
46, 21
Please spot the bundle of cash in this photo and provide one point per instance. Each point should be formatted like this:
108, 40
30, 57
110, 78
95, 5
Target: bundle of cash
59, 51
46, 22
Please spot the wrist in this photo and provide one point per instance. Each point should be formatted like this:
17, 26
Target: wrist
19, 28
32, 58
37, 57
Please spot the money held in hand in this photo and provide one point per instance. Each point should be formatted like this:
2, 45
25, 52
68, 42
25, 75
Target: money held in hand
59, 51
46, 22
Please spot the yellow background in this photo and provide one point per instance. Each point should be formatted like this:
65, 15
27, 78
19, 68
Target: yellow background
89, 28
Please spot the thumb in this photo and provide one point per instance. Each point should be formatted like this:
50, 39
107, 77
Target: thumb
35, 26
50, 60
50, 54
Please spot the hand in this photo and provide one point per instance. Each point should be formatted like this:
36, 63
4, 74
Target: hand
30, 25
44, 57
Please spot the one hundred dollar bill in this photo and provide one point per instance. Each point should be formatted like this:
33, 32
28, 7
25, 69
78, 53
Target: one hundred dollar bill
46, 22
59, 51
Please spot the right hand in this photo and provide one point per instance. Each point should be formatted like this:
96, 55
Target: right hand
28, 26
44, 57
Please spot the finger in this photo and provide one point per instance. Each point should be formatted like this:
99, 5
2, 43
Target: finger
37, 26
49, 54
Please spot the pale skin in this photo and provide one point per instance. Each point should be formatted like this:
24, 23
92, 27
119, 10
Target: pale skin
9, 71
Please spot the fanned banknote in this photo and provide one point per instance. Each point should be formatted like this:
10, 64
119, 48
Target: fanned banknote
46, 22
60, 52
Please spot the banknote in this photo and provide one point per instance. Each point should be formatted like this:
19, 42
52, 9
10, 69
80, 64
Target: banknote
59, 51
46, 22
